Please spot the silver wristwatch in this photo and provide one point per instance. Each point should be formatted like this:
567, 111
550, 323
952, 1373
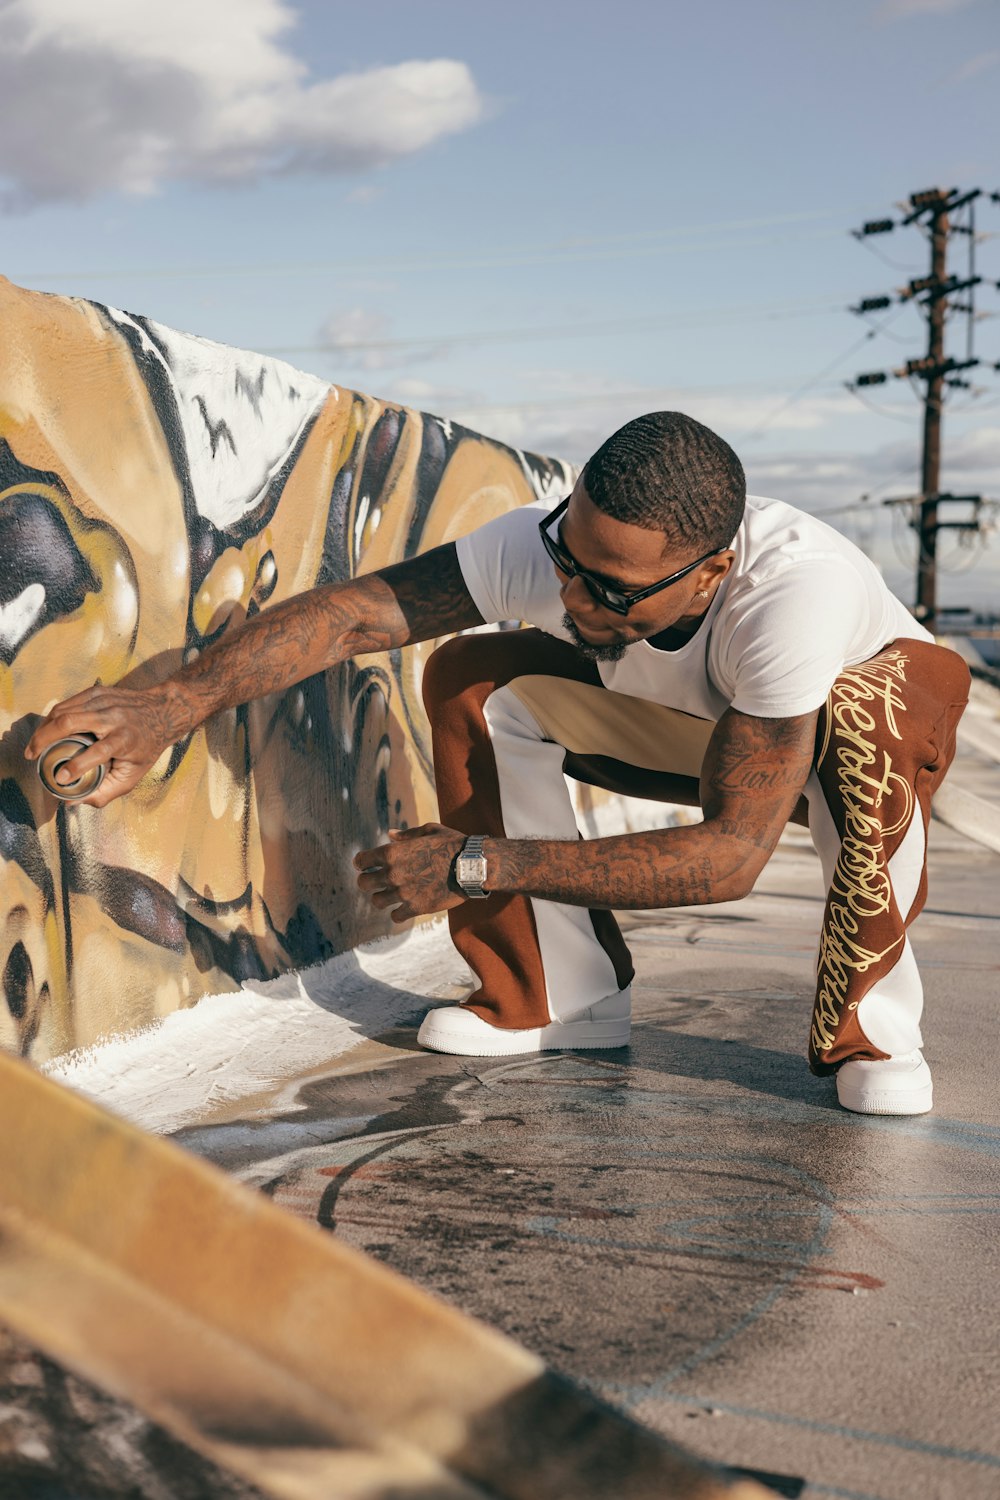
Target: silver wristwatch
470, 867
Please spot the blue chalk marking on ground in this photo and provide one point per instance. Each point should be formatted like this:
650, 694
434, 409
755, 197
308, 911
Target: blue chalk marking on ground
918, 1210
970, 1136
673, 1244
638, 1396
812, 1488
745, 1100
820, 1205
965, 1135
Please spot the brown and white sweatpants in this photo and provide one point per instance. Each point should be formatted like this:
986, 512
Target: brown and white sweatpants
512, 712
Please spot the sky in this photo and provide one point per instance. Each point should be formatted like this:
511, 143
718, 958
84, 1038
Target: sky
539, 219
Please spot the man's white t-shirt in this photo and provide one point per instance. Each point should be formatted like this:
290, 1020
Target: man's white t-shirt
799, 605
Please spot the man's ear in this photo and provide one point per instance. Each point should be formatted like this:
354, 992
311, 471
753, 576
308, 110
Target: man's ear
711, 573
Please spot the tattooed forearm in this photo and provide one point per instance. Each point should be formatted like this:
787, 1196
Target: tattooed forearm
131, 726
754, 772
413, 601
666, 867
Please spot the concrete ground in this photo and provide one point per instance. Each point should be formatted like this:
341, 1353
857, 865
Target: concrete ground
692, 1226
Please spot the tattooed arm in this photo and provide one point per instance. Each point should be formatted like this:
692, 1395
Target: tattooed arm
753, 774
412, 601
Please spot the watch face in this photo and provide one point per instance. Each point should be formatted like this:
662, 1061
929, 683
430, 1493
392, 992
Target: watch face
471, 870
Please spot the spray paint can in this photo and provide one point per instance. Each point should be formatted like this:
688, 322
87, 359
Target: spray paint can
56, 756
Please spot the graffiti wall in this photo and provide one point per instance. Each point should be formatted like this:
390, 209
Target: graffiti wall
155, 490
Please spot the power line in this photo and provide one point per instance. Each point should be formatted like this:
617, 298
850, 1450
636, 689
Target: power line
706, 317
789, 219
896, 338
855, 508
894, 265
759, 222
880, 411
647, 394
887, 484
557, 252
808, 385
804, 388
599, 397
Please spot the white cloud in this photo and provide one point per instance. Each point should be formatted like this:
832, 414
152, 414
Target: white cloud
981, 63
442, 400
977, 452
804, 455
362, 341
366, 193
575, 415
742, 417
130, 94
814, 473
821, 479
353, 328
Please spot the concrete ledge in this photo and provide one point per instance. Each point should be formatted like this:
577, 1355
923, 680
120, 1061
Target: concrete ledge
968, 814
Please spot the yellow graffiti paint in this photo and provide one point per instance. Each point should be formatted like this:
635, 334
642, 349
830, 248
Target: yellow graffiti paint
160, 490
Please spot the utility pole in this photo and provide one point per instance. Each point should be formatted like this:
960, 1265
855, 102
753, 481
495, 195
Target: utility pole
935, 209
930, 468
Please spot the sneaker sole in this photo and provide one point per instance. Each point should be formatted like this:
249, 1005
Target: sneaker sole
917, 1102
589, 1035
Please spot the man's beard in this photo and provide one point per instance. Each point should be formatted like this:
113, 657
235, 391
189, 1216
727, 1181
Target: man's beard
591, 652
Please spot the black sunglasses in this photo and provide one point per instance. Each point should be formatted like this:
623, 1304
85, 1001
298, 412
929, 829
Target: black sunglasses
620, 601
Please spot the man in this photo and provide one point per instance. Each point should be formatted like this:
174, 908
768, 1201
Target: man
686, 638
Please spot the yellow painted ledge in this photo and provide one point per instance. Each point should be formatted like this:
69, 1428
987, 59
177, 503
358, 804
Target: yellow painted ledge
273, 1349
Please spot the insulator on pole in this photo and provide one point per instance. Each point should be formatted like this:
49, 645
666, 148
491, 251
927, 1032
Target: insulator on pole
872, 304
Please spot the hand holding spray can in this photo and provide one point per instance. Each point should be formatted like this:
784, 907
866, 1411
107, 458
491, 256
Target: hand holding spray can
55, 757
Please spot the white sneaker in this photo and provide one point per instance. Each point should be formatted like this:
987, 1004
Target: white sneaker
892, 1086
455, 1028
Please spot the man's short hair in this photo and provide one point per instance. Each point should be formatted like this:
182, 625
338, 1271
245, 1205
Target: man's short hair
667, 472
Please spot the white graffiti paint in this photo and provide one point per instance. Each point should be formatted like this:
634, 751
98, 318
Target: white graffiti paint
18, 615
241, 414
